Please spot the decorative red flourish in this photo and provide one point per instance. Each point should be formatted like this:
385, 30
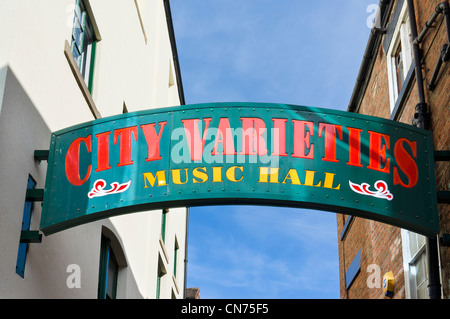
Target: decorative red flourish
380, 186
98, 189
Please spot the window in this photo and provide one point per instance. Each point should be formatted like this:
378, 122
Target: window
83, 42
415, 263
399, 56
175, 258
353, 270
161, 272
163, 225
108, 272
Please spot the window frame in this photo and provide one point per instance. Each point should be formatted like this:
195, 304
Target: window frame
161, 272
399, 39
106, 257
410, 258
164, 224
83, 42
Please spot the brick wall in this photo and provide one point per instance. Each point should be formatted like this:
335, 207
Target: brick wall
381, 251
381, 244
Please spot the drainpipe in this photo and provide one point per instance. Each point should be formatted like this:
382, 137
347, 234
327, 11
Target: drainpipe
186, 253
420, 117
421, 120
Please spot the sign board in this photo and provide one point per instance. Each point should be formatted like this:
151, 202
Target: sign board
241, 153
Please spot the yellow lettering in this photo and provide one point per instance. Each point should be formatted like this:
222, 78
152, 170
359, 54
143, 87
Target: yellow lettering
217, 174
160, 175
200, 173
176, 176
293, 176
328, 182
231, 173
268, 174
309, 179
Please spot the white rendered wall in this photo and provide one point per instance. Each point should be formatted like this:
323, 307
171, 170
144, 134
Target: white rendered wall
38, 95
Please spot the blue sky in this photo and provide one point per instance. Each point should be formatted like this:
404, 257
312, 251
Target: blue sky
281, 51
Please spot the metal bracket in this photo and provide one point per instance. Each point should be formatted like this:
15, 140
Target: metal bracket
34, 195
443, 197
41, 155
30, 237
442, 156
445, 240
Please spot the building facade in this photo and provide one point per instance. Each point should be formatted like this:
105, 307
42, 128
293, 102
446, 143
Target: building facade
62, 64
404, 76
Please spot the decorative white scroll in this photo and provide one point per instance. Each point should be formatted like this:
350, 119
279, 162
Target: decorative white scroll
98, 189
381, 187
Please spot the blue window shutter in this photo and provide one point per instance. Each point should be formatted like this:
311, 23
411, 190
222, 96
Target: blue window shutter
353, 270
26, 223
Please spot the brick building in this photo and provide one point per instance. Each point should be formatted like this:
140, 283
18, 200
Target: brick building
404, 76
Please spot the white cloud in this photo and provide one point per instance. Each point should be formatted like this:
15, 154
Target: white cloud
261, 255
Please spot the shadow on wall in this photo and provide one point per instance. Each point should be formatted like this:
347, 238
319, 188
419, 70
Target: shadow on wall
22, 131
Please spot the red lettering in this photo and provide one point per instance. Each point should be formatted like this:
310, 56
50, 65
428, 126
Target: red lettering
125, 143
330, 140
252, 136
195, 143
279, 137
377, 152
302, 139
224, 137
406, 163
102, 151
354, 146
72, 164
153, 140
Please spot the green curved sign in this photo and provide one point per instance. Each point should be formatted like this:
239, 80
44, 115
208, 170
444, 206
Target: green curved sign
241, 153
